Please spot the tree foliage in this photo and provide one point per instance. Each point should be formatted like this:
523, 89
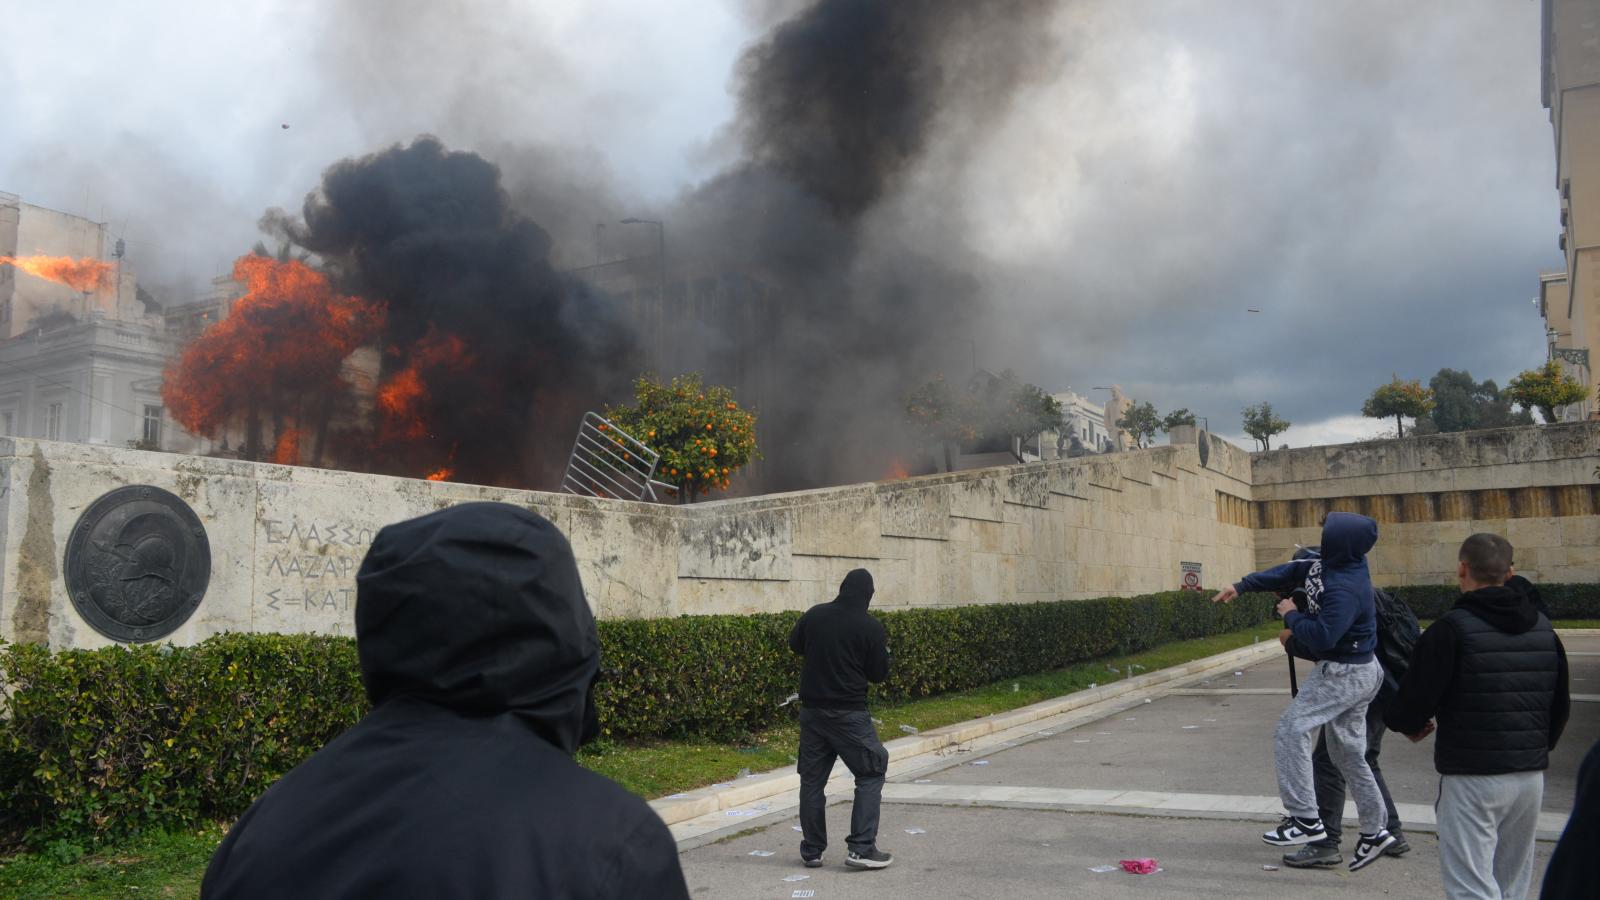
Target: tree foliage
1546, 388
1462, 404
699, 430
1400, 399
1178, 418
984, 409
1141, 421
1261, 423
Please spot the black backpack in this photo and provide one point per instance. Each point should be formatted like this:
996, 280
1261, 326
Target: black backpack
1398, 632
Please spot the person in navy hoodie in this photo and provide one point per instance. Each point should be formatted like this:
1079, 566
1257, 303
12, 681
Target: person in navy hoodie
1340, 626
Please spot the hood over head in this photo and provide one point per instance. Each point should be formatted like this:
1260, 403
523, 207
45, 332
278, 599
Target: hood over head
1347, 537
1504, 607
856, 589
478, 609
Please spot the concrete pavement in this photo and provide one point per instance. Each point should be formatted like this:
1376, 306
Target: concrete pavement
1186, 778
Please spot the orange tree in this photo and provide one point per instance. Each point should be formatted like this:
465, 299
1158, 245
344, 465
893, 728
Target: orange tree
699, 430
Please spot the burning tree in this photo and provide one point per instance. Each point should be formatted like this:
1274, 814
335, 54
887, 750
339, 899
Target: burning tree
700, 431
276, 359
83, 275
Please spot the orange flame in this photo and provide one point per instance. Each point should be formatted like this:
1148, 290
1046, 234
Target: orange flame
404, 398
441, 475
288, 449
897, 471
277, 356
83, 275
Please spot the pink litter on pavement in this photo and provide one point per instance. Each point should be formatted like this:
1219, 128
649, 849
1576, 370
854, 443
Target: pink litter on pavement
1139, 866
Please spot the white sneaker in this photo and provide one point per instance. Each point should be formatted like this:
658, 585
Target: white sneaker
1370, 849
1293, 830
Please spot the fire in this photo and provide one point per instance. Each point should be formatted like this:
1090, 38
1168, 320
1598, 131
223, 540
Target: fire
83, 275
897, 471
276, 360
404, 399
288, 450
441, 475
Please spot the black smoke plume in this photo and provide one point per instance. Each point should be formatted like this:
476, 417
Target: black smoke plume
509, 351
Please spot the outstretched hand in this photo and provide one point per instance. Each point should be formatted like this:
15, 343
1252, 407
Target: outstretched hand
1225, 595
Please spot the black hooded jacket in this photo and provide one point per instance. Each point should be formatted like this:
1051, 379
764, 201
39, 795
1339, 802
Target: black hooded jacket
479, 654
844, 647
1494, 673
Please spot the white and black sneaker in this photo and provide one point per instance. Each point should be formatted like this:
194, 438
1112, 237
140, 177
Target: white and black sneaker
1369, 849
872, 859
1295, 830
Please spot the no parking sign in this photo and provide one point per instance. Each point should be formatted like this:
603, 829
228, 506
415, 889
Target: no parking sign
1191, 576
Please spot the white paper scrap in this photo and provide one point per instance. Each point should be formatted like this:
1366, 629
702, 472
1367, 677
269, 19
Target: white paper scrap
1101, 870
909, 729
1237, 674
981, 762
763, 853
1081, 741
1190, 727
916, 831
808, 892
1267, 868
1147, 699
795, 877
1094, 684
742, 813
923, 781
1048, 733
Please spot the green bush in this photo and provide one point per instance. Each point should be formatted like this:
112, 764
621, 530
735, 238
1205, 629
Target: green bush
1566, 601
97, 744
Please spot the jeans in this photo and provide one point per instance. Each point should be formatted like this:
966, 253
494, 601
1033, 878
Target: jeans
1330, 783
846, 734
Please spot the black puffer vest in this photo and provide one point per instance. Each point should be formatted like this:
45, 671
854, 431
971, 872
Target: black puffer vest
1496, 716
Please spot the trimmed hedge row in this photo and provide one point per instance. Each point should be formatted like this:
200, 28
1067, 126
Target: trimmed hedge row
1566, 601
96, 744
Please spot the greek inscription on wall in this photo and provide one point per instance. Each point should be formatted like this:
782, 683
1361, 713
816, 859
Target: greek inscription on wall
310, 567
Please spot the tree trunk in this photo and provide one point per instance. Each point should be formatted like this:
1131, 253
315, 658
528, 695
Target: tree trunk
252, 435
1400, 425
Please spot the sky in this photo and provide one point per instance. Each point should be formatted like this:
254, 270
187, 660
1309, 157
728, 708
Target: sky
1376, 178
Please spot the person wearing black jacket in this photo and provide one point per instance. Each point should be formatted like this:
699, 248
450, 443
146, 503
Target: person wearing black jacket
1494, 674
480, 656
1574, 868
844, 649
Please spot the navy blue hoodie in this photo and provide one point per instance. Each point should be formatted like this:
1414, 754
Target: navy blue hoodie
1341, 622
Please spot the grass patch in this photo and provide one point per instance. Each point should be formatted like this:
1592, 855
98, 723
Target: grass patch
157, 865
1576, 623
658, 768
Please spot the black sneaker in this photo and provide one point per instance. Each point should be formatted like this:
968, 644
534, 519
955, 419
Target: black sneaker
1369, 848
1313, 856
872, 859
812, 862
1294, 830
1399, 847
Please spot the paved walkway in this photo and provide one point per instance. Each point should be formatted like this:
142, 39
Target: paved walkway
1185, 777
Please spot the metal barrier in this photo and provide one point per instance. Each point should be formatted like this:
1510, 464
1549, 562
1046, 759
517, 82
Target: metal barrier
608, 462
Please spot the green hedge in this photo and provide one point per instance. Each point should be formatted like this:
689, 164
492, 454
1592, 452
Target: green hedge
96, 744
1566, 601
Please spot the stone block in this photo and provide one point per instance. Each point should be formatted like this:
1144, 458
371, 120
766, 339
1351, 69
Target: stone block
915, 512
977, 499
849, 526
753, 546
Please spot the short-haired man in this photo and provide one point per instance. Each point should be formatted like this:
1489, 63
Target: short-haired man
1340, 627
1494, 674
844, 648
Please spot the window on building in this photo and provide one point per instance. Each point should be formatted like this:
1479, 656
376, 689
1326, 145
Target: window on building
8, 422
52, 422
152, 426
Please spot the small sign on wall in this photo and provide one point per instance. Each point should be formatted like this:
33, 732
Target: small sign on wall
1191, 576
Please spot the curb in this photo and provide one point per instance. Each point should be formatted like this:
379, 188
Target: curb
922, 750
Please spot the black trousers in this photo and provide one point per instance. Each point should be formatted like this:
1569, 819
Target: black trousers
847, 734
1330, 784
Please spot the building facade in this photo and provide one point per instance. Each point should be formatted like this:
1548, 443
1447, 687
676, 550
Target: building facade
1569, 300
1085, 421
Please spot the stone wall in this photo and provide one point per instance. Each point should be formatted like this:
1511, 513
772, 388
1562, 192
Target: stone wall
1536, 486
286, 541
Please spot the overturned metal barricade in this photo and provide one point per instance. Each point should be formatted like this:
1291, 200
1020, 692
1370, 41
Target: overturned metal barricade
608, 462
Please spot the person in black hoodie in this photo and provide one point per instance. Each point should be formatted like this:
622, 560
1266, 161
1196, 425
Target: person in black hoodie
1494, 674
480, 656
844, 648
1574, 868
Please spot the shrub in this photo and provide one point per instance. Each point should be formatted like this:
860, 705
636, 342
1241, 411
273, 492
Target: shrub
1566, 601
98, 744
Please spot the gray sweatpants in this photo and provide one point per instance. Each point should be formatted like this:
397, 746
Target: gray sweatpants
1486, 830
1333, 697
